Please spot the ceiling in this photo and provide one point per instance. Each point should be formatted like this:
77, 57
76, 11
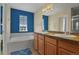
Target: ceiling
31, 7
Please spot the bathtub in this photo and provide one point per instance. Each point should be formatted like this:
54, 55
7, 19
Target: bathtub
17, 37
20, 41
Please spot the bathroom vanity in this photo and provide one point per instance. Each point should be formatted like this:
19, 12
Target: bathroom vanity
51, 44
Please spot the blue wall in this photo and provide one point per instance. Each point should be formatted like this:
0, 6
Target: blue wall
1, 8
0, 19
45, 18
15, 20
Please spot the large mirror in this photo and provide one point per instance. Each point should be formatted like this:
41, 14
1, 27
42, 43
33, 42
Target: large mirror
58, 23
75, 24
45, 23
62, 24
75, 20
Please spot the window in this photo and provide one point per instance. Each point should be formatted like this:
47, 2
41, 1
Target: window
23, 23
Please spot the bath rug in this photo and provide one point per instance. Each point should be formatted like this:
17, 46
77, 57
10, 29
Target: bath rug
22, 52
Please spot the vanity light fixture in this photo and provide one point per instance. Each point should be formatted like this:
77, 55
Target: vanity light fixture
48, 8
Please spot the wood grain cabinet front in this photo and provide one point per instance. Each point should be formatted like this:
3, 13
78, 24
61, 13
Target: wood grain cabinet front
50, 46
62, 51
36, 41
71, 46
50, 49
41, 44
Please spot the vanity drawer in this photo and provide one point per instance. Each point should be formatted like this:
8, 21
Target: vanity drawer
62, 51
41, 36
69, 45
50, 40
35, 35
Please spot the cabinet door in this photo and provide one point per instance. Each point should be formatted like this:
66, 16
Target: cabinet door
35, 41
70, 46
50, 49
41, 46
61, 51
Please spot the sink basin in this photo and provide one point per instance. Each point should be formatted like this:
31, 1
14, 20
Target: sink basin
44, 32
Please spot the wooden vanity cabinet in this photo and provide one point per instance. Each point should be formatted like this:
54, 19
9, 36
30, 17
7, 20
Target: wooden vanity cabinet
66, 47
41, 44
50, 46
62, 51
50, 49
35, 41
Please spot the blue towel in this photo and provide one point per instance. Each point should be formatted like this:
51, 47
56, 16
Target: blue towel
22, 52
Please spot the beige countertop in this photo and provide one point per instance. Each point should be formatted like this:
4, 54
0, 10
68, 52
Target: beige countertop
62, 36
